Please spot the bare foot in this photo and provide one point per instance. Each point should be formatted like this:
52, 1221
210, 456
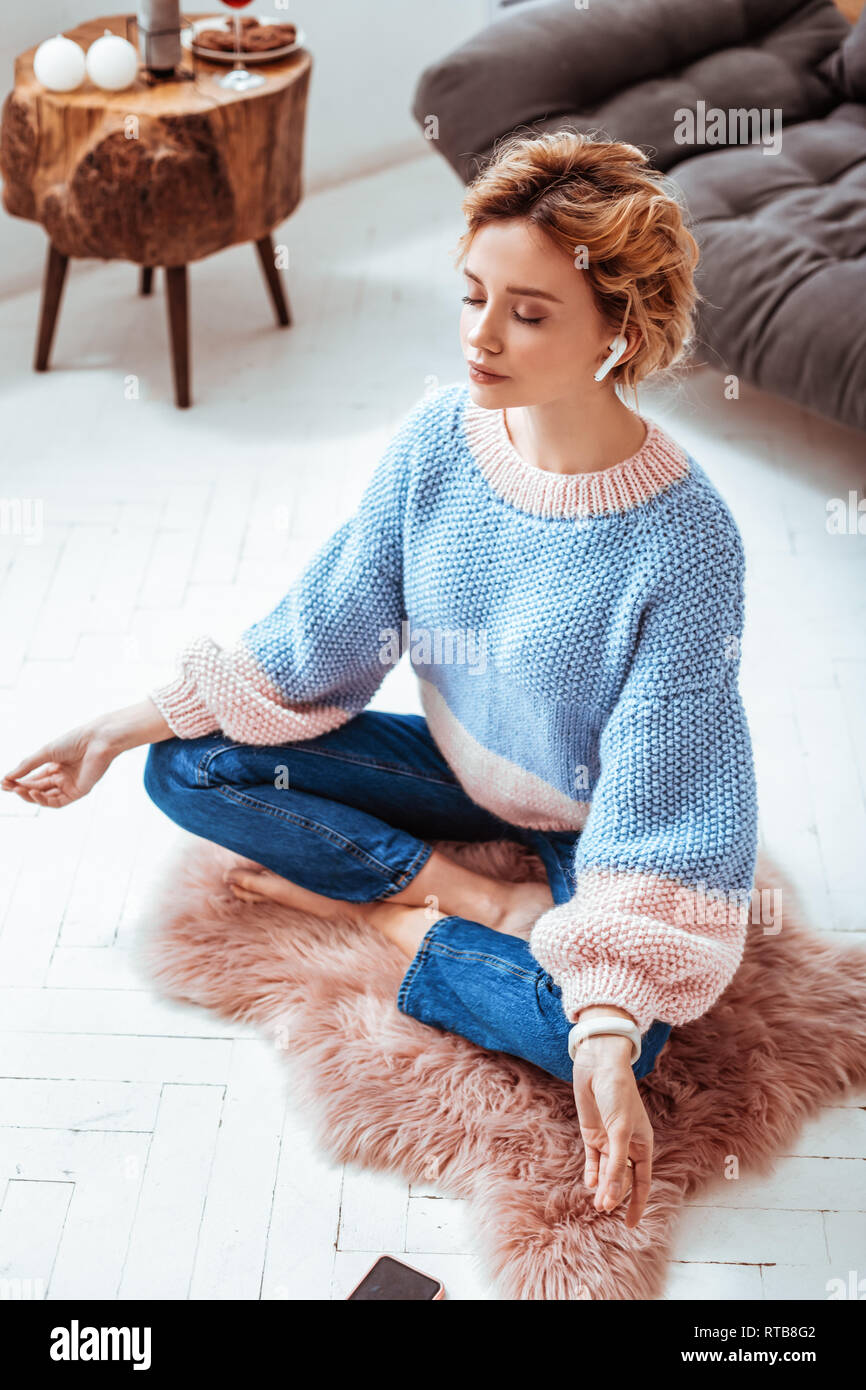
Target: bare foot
460, 892
262, 885
522, 905
506, 907
403, 924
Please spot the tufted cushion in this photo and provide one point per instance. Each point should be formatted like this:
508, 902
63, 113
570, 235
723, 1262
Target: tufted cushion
782, 235
626, 67
783, 262
845, 68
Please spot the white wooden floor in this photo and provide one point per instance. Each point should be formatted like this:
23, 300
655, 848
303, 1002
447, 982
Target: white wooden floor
146, 1149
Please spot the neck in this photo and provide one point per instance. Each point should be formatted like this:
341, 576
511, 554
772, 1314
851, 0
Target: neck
571, 435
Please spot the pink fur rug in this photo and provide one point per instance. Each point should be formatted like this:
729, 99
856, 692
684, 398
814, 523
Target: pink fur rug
787, 1036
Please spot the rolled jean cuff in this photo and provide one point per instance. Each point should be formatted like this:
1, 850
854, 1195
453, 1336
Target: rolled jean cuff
411, 871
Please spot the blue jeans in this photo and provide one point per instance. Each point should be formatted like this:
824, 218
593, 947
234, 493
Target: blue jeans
351, 814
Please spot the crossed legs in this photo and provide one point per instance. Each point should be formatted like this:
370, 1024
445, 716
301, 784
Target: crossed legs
441, 888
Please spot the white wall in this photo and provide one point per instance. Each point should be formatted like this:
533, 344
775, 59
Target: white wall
367, 56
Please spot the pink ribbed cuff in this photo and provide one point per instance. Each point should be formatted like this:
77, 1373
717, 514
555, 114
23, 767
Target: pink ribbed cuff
181, 707
650, 944
608, 984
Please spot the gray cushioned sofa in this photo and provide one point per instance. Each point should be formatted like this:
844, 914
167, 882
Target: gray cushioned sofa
781, 222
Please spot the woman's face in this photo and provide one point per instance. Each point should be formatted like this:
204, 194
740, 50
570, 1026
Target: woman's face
531, 318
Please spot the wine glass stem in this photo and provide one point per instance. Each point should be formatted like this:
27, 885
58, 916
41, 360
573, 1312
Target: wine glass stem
238, 63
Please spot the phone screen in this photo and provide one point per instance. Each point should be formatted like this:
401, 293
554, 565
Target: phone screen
390, 1279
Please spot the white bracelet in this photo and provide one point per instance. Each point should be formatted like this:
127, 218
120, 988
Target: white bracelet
605, 1023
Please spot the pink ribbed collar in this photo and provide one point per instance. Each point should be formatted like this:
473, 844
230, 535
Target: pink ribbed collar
659, 462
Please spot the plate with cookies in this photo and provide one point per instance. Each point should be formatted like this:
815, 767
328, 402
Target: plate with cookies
262, 40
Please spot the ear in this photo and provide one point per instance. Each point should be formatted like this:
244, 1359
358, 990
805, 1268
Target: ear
635, 338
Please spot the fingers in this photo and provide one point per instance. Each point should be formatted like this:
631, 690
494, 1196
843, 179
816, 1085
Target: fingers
41, 782
591, 1131
53, 797
43, 788
27, 765
598, 1138
612, 1185
640, 1191
618, 1141
626, 1188
43, 791
25, 794
591, 1169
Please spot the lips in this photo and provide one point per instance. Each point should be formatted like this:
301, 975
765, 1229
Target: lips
485, 371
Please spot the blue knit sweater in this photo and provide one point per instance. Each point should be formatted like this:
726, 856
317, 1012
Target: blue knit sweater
576, 639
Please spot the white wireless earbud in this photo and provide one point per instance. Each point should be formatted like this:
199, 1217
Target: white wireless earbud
617, 348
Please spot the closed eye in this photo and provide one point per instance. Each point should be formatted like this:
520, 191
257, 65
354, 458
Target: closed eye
520, 319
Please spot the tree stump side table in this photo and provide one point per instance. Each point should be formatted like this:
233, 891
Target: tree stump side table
159, 175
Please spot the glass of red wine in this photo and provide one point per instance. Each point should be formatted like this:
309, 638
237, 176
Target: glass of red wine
239, 80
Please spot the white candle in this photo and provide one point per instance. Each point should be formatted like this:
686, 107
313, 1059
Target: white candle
59, 64
112, 63
159, 33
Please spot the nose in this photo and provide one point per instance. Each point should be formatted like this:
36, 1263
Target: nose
483, 332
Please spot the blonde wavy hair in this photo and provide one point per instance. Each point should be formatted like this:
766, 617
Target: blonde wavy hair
589, 191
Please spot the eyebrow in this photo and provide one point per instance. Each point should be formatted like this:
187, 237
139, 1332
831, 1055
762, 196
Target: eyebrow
515, 289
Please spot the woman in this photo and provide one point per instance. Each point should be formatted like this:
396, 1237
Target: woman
570, 587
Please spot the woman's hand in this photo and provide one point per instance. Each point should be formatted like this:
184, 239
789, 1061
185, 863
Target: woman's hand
613, 1123
64, 770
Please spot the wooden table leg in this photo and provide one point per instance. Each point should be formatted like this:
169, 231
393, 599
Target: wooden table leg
265, 248
146, 282
178, 325
52, 291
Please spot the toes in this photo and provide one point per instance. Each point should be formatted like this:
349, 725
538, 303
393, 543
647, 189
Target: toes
245, 897
239, 885
239, 882
242, 878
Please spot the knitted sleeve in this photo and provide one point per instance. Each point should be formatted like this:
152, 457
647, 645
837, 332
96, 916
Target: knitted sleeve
319, 656
665, 862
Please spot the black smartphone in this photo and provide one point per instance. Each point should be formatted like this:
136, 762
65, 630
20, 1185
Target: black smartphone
390, 1278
